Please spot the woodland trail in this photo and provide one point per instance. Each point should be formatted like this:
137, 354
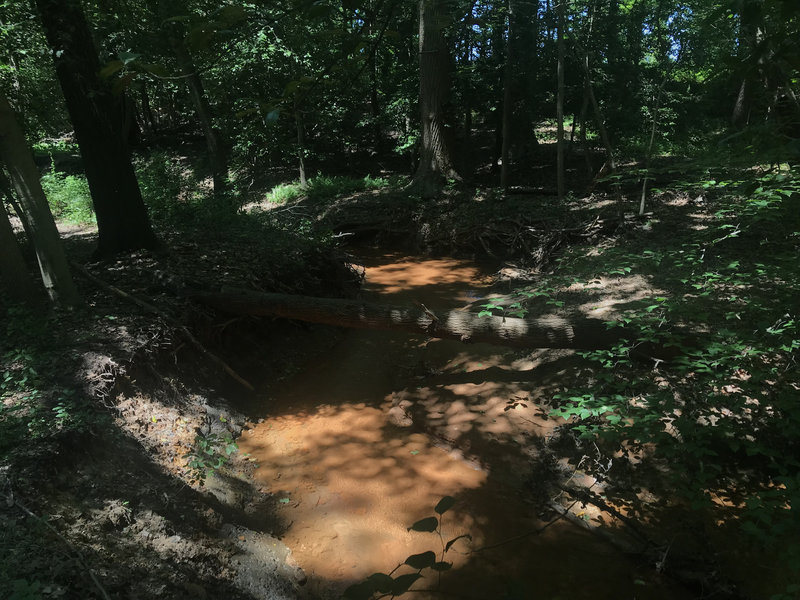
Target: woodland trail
365, 442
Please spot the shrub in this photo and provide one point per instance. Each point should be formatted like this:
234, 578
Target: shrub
69, 197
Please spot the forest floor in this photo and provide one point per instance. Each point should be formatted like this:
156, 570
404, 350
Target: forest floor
120, 479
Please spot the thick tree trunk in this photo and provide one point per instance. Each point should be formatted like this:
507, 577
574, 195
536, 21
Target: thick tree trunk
121, 215
542, 332
14, 276
24, 174
436, 164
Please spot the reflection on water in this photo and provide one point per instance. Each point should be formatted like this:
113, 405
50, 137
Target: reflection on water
366, 441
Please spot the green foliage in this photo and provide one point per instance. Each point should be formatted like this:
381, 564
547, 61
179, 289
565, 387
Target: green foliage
722, 417
34, 404
380, 585
323, 188
69, 197
211, 451
162, 184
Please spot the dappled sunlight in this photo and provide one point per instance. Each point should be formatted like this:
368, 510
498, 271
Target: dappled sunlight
604, 296
388, 425
350, 487
395, 273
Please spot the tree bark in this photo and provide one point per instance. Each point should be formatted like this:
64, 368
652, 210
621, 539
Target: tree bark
214, 144
301, 145
122, 220
16, 279
598, 115
542, 332
436, 164
508, 99
560, 174
24, 174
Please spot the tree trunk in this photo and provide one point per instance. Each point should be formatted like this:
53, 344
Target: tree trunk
436, 164
542, 332
301, 145
611, 165
16, 156
560, 174
214, 144
16, 280
508, 99
122, 219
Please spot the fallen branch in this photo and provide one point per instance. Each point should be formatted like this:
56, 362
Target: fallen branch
167, 319
78, 555
549, 331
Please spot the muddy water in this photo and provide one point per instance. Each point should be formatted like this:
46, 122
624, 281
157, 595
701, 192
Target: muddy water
365, 442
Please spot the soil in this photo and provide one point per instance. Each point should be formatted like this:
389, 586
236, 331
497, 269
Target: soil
350, 438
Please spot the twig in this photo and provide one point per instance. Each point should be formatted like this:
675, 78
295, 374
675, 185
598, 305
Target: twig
78, 555
522, 536
169, 320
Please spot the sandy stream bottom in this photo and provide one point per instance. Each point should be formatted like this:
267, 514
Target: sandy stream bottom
349, 481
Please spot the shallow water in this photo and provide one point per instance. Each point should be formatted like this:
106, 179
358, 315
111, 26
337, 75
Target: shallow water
366, 441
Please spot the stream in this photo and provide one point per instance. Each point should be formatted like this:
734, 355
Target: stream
365, 441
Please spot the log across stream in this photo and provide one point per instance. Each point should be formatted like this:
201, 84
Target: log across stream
367, 439
549, 331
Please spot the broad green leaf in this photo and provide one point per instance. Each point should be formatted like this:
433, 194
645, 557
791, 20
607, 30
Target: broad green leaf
421, 561
445, 504
111, 68
427, 524
128, 57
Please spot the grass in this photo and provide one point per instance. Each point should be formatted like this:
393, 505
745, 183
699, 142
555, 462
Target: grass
324, 187
69, 198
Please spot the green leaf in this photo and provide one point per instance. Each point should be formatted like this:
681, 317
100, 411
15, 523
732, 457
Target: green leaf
445, 504
427, 524
402, 583
111, 68
421, 561
128, 57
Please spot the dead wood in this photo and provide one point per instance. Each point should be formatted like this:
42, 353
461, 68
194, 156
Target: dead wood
549, 331
182, 329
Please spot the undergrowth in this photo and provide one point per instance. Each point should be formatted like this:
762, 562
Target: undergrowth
69, 197
722, 420
324, 187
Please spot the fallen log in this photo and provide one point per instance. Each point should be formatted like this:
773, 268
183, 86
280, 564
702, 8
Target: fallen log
550, 331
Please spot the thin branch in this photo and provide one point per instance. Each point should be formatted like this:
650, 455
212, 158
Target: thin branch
169, 320
78, 555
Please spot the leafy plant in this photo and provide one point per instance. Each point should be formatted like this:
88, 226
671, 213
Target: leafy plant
383, 585
69, 197
323, 188
210, 452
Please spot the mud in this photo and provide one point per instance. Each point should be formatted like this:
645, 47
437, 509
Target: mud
363, 443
